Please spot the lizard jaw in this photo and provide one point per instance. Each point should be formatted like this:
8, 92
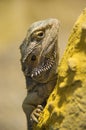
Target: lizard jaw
43, 68
47, 65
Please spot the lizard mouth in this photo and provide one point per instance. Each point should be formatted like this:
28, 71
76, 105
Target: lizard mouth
45, 67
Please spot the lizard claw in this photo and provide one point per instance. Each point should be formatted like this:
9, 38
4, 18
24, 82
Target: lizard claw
36, 113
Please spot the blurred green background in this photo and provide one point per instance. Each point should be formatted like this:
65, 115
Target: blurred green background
15, 18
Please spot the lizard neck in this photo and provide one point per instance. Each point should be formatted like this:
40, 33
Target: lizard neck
31, 84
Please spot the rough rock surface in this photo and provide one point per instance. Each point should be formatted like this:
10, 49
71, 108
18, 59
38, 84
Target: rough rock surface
66, 107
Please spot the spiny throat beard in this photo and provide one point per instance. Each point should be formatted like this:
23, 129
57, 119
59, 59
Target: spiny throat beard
43, 68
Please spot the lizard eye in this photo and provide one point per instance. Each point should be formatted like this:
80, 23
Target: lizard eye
40, 34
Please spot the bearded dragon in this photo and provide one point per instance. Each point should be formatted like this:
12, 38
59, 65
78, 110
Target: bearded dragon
39, 60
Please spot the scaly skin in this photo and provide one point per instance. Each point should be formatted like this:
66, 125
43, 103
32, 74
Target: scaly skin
39, 60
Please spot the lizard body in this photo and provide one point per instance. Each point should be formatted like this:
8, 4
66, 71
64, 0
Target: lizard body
39, 60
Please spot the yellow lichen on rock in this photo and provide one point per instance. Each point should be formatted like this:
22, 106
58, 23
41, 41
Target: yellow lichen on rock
66, 106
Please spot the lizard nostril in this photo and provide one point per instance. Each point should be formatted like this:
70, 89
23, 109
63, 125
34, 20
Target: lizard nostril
33, 58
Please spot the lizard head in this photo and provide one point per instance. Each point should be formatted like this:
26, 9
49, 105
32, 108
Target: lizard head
39, 50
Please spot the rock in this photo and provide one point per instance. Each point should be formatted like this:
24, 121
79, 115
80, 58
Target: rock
66, 106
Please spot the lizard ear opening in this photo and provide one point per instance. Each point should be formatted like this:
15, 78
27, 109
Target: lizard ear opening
33, 58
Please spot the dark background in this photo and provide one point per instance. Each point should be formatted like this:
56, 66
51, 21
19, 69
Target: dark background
15, 18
